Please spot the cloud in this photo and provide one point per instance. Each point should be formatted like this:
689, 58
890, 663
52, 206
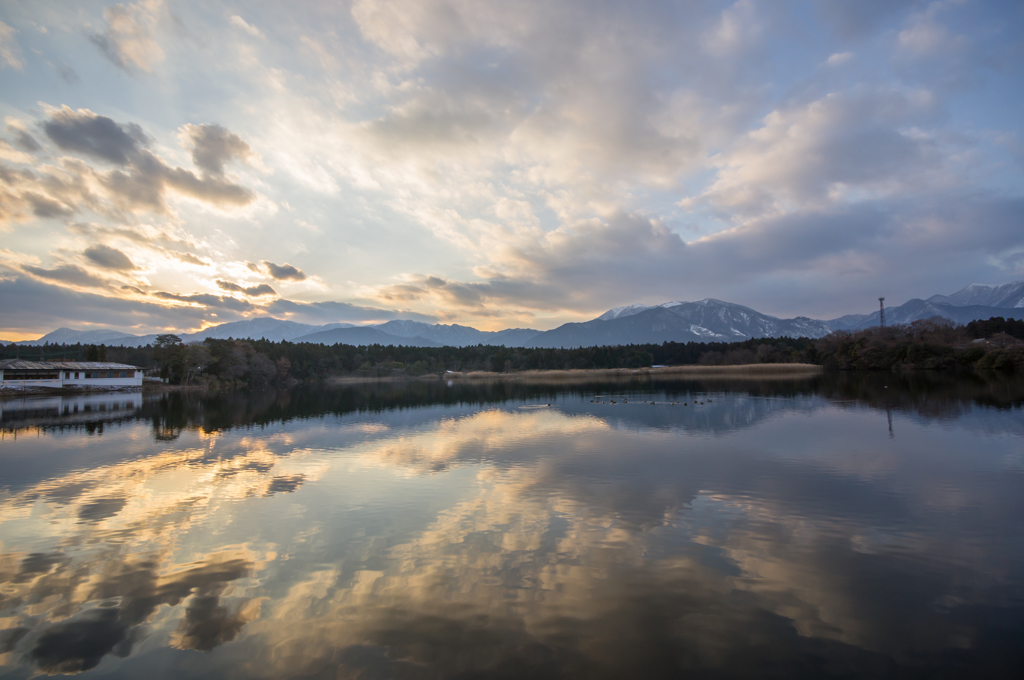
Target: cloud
22, 139
823, 151
252, 291
562, 103
855, 18
489, 140
188, 257
54, 193
248, 28
108, 258
95, 136
209, 624
9, 153
67, 73
840, 58
929, 51
130, 37
43, 206
10, 53
736, 29
80, 643
284, 272
259, 290
139, 182
285, 484
212, 190
205, 300
170, 243
31, 306
596, 264
504, 128
100, 509
332, 312
67, 273
935, 242
574, 266
213, 147
924, 37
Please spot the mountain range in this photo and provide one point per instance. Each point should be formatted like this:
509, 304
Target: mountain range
707, 320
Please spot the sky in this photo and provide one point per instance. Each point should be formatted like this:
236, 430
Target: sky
167, 166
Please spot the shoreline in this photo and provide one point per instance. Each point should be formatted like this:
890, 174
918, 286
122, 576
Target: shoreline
736, 371
740, 371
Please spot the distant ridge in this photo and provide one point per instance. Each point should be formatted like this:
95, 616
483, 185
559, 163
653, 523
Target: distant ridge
707, 320
979, 294
70, 336
456, 335
364, 335
977, 301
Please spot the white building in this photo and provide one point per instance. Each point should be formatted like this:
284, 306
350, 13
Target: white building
23, 373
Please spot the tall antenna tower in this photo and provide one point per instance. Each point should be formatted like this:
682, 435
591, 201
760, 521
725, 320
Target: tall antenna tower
881, 311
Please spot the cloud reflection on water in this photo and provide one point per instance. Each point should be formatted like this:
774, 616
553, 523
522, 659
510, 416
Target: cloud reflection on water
540, 542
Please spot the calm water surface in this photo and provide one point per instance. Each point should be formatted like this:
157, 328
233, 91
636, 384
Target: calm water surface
846, 526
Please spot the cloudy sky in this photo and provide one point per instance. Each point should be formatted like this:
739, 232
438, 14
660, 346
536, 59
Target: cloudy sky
172, 165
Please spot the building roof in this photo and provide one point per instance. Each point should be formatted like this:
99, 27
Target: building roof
25, 365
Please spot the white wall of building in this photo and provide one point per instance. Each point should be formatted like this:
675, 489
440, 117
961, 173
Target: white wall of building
134, 380
29, 383
67, 379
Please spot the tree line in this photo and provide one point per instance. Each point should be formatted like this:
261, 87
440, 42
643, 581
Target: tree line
930, 344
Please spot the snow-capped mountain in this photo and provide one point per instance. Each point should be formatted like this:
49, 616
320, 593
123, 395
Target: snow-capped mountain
626, 310
707, 320
917, 310
979, 294
70, 336
977, 301
630, 310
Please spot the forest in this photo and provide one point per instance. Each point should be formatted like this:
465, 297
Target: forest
936, 344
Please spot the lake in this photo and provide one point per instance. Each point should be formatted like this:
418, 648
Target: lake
855, 526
